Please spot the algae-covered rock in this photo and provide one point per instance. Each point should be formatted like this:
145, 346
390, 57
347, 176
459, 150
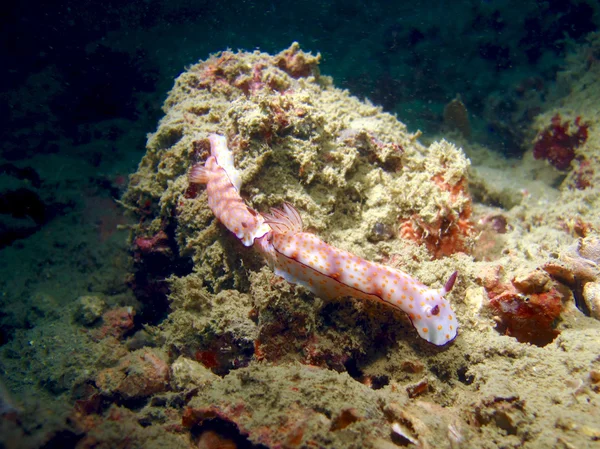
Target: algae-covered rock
187, 373
88, 309
346, 165
358, 177
315, 408
278, 366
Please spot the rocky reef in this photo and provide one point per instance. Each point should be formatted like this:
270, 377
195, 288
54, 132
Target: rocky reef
362, 182
358, 177
218, 351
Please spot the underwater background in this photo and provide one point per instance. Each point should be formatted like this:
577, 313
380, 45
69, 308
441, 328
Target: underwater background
428, 136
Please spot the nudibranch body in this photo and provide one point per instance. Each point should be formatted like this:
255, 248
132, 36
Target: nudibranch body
302, 258
329, 272
223, 184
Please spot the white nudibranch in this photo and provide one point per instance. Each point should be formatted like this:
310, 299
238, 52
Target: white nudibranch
302, 258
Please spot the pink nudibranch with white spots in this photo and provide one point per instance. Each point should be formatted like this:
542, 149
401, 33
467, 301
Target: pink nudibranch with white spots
302, 258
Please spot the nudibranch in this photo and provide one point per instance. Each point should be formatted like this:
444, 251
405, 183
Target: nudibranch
302, 258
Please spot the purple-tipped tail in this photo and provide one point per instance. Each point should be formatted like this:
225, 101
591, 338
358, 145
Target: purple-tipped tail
450, 282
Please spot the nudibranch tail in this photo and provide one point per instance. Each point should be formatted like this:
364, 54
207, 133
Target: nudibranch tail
223, 195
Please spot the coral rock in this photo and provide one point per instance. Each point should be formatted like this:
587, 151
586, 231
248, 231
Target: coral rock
557, 143
115, 323
88, 309
297, 63
140, 374
527, 308
188, 373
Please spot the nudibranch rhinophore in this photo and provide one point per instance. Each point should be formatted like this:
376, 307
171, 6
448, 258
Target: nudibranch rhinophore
302, 258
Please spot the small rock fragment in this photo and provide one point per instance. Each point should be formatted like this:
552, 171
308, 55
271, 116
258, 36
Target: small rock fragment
88, 309
537, 281
189, 373
418, 389
379, 232
345, 418
456, 117
591, 296
527, 309
139, 375
115, 323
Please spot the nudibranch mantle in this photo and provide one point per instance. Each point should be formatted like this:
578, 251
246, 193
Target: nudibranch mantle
302, 258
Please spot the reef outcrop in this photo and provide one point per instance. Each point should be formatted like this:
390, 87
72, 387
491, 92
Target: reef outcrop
242, 356
357, 176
